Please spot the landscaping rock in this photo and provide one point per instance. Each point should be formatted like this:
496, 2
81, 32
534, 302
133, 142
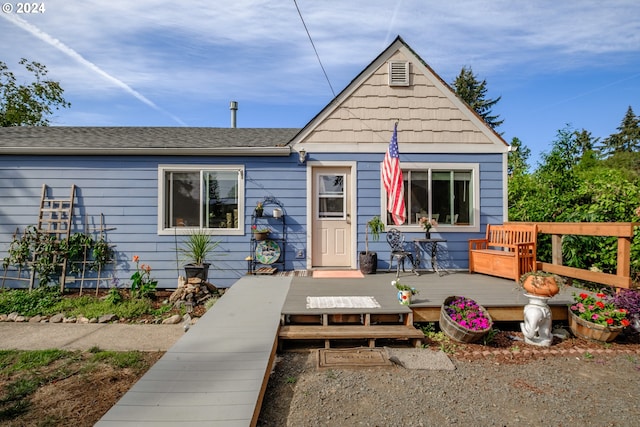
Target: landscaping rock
56, 318
3, 318
36, 319
12, 316
107, 318
173, 320
194, 291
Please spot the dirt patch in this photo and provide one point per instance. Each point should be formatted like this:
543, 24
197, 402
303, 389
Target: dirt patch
79, 397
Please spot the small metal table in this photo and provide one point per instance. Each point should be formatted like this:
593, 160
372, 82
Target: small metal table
430, 246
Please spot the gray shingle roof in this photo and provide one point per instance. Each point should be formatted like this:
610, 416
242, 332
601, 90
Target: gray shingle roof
136, 140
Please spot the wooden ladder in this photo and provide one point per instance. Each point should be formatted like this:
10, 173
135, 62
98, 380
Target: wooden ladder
55, 219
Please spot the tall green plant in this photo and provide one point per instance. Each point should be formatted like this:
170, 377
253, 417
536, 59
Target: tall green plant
198, 246
376, 226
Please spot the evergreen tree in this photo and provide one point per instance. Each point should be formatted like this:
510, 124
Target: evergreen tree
474, 92
627, 139
518, 157
28, 104
585, 142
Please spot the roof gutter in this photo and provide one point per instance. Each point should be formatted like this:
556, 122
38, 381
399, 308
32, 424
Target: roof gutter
72, 151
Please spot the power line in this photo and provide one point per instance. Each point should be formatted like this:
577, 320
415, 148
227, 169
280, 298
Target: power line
314, 48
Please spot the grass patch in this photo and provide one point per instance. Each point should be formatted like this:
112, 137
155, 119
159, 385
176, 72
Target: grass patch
47, 301
129, 359
14, 361
90, 307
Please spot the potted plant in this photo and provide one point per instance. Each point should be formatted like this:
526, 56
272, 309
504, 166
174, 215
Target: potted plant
541, 283
427, 224
629, 299
369, 260
464, 320
405, 292
195, 251
596, 317
259, 209
260, 233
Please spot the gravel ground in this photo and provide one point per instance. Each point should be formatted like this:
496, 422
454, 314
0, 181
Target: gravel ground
583, 384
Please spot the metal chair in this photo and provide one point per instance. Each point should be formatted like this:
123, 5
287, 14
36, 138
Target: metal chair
395, 238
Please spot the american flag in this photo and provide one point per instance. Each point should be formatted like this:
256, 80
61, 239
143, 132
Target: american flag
392, 180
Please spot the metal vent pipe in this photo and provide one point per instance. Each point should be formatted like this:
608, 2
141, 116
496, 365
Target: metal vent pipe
233, 106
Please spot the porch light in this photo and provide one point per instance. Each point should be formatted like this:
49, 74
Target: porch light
303, 155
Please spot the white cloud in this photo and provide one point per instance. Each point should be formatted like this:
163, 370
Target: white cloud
258, 49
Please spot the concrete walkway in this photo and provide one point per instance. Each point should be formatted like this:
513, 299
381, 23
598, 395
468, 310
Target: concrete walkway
72, 336
214, 375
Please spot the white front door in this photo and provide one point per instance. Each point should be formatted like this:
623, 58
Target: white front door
331, 229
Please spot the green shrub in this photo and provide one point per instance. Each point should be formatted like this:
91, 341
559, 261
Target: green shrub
38, 301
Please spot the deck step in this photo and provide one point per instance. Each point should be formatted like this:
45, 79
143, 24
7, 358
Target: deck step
350, 332
364, 318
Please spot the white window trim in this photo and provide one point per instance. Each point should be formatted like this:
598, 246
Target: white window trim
181, 231
409, 228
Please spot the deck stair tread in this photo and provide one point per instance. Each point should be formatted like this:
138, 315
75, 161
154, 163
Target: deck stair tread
348, 331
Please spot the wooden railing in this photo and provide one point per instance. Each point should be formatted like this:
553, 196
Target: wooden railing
622, 230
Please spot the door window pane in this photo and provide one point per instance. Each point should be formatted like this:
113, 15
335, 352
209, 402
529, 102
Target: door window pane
331, 196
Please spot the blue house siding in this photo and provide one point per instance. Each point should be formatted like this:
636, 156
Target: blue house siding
125, 191
369, 204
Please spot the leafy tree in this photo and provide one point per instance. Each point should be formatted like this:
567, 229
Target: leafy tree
474, 92
627, 139
28, 104
572, 184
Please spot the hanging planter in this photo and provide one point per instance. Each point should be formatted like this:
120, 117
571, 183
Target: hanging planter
261, 235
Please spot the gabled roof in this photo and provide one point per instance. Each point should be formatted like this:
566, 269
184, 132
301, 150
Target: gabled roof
175, 141
432, 118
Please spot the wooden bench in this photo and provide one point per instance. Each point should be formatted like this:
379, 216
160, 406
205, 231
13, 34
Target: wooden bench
508, 251
351, 332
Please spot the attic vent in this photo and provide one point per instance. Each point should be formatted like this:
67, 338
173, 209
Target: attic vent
398, 74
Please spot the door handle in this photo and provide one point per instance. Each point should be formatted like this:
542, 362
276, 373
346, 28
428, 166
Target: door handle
348, 219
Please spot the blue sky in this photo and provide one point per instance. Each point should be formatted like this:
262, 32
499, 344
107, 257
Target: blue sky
159, 63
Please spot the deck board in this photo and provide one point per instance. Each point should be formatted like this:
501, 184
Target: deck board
501, 296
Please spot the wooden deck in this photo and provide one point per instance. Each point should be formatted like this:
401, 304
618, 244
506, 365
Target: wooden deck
503, 298
216, 374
